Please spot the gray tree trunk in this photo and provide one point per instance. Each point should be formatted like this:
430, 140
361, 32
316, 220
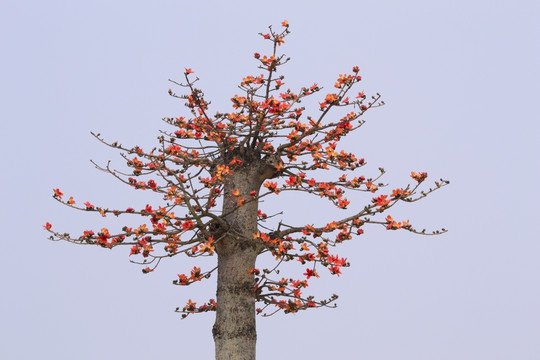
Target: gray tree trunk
234, 331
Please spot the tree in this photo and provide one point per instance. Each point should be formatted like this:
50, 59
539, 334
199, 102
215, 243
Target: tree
215, 169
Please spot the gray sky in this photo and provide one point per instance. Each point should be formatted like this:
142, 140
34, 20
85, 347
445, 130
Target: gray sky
461, 82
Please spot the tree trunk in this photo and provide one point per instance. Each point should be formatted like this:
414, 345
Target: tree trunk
234, 331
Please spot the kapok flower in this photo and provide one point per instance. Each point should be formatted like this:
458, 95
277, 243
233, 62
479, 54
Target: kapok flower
311, 272
381, 201
419, 176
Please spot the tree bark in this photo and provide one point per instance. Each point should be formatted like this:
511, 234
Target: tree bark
234, 331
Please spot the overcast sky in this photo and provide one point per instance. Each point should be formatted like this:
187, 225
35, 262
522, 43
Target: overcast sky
461, 83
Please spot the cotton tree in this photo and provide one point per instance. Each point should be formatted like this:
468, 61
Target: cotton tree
212, 171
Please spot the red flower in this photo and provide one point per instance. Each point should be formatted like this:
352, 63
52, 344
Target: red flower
152, 184
335, 270
57, 193
188, 225
89, 206
309, 273
188, 71
47, 226
135, 250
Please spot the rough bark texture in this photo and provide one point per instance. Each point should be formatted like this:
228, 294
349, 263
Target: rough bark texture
234, 331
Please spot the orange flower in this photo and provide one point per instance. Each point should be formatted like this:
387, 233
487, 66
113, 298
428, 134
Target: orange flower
261, 236
272, 186
182, 279
208, 246
57, 193
141, 230
285, 23
196, 274
222, 170
393, 226
381, 201
235, 161
308, 229
342, 204
419, 176
71, 201
190, 306
397, 193
188, 71
372, 187
330, 98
